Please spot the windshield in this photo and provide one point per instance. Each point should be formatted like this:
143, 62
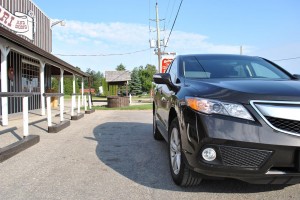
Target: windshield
231, 67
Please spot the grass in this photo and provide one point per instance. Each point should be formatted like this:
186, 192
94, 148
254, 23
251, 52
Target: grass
133, 107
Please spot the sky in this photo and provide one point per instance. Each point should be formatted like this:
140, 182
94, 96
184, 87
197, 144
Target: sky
266, 28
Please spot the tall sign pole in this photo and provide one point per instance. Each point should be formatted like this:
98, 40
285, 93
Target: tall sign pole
158, 39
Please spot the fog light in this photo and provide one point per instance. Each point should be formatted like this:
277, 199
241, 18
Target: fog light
209, 154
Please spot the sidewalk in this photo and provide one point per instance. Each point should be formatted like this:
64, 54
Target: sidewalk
13, 132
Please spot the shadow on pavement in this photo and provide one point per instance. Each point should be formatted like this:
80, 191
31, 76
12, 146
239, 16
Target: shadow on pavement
129, 149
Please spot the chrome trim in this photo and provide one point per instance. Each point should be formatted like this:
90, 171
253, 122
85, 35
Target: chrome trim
252, 103
188, 132
283, 112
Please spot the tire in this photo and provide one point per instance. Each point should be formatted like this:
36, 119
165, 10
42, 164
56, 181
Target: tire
156, 133
181, 174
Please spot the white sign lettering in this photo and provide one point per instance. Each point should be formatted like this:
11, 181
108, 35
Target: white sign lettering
20, 23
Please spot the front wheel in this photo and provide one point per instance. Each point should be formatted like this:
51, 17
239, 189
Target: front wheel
181, 174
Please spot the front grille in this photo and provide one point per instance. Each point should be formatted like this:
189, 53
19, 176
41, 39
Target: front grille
282, 116
243, 157
285, 124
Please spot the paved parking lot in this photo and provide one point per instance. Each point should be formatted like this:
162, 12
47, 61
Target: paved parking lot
111, 155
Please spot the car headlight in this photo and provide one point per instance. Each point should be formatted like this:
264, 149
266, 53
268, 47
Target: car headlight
209, 106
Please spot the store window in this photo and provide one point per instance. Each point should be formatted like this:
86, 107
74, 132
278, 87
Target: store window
30, 78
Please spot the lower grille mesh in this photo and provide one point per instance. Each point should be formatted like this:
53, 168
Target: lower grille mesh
285, 124
242, 157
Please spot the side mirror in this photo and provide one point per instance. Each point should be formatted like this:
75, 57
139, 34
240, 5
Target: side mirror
162, 78
296, 76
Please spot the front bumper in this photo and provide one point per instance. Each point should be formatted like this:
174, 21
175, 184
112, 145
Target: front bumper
249, 151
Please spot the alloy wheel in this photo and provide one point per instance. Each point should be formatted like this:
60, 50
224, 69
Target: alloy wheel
175, 151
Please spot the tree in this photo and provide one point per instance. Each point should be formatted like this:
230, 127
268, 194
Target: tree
135, 83
68, 85
121, 67
96, 79
146, 76
54, 84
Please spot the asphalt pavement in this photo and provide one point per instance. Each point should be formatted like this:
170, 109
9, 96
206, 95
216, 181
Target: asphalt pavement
111, 155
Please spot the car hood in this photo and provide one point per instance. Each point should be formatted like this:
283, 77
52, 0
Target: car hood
245, 90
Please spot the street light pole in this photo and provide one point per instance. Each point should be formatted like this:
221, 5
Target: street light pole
61, 22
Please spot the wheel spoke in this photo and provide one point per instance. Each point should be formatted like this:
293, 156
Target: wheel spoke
176, 139
178, 161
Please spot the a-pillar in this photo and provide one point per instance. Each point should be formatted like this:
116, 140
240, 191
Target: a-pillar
42, 86
4, 53
62, 99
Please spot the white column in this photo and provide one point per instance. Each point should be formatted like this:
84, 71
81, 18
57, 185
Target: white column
49, 111
90, 102
25, 117
82, 90
74, 88
4, 53
85, 105
72, 105
62, 99
42, 86
78, 111
61, 108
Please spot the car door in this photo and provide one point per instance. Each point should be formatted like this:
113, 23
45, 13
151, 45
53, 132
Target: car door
166, 96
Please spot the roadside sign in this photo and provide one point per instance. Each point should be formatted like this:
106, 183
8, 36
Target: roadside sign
165, 62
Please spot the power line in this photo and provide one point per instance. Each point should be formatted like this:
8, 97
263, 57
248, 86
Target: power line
111, 54
166, 14
171, 14
173, 23
288, 59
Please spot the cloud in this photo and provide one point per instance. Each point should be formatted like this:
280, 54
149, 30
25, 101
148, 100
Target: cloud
107, 38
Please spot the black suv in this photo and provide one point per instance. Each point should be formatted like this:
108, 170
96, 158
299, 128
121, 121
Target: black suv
229, 116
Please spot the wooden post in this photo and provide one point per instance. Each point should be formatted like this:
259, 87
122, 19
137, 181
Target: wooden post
61, 108
90, 102
85, 105
72, 105
78, 109
49, 111
25, 117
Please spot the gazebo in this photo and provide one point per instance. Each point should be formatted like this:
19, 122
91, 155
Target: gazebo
116, 80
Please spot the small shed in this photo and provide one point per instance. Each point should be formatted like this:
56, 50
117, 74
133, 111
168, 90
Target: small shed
117, 80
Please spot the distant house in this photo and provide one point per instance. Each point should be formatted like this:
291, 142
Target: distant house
116, 80
88, 91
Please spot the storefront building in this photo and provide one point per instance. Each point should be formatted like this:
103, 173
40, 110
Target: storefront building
27, 64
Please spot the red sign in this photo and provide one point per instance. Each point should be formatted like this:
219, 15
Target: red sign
88, 91
165, 63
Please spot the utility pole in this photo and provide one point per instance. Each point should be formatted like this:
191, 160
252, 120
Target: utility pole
157, 45
158, 38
